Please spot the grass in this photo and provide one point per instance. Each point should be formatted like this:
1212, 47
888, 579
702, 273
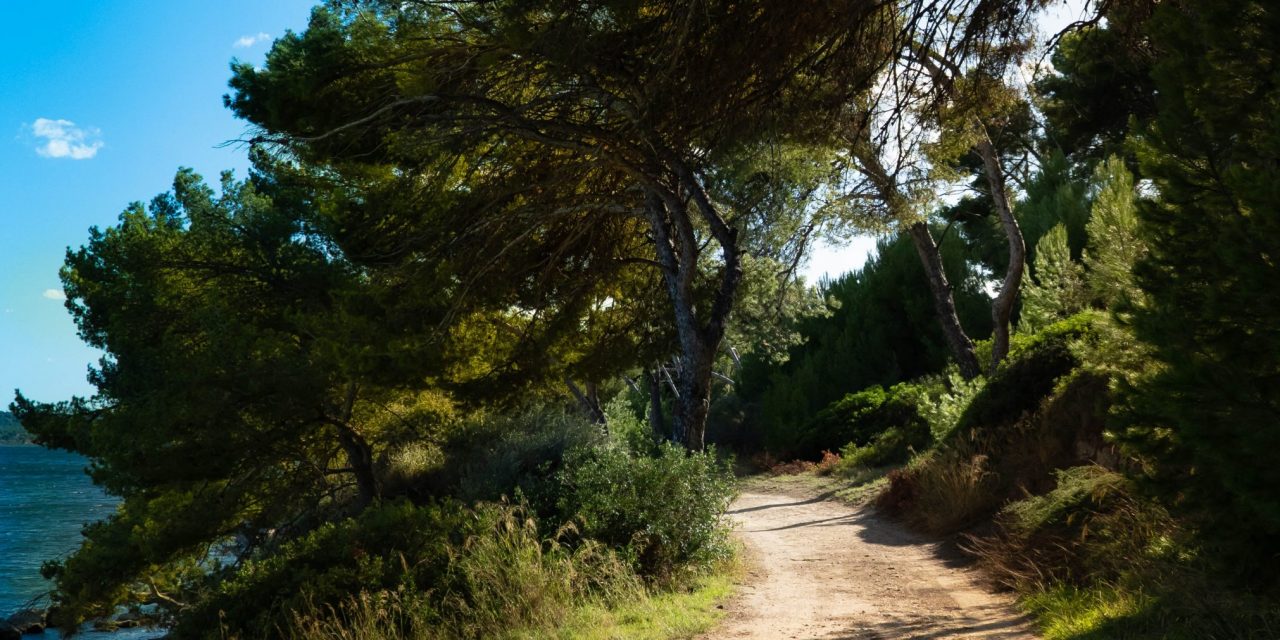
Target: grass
1180, 608
663, 616
646, 615
1070, 613
521, 593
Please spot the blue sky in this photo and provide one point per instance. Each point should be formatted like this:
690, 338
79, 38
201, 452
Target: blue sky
100, 103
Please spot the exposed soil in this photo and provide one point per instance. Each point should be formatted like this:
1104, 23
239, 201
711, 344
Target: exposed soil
821, 569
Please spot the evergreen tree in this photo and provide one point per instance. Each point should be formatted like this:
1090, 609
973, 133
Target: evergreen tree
1057, 289
1115, 241
881, 329
1210, 419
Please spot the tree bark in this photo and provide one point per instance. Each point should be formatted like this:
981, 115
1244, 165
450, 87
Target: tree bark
944, 301
359, 452
677, 248
1002, 306
589, 400
694, 403
656, 422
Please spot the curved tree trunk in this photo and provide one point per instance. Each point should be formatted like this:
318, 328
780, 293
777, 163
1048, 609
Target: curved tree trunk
930, 257
944, 301
1002, 306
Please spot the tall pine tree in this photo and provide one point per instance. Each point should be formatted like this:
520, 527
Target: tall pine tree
1211, 417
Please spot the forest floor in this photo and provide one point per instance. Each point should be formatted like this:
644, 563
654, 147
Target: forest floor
822, 568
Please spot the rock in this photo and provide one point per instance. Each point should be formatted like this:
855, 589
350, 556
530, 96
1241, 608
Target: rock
9, 632
28, 621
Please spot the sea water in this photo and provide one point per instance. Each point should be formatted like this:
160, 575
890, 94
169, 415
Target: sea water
45, 500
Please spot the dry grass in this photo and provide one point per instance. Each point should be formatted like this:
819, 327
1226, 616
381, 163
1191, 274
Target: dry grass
515, 584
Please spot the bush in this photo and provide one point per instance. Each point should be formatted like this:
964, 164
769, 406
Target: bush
663, 510
946, 401
515, 456
1039, 413
1027, 376
891, 446
629, 429
388, 546
861, 418
503, 580
1089, 527
941, 492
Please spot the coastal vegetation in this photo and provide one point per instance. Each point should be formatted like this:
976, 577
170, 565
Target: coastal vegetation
472, 349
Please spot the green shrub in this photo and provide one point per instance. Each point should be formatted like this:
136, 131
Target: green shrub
862, 418
629, 429
503, 580
1027, 376
663, 510
949, 398
891, 446
1039, 413
515, 455
1090, 526
389, 545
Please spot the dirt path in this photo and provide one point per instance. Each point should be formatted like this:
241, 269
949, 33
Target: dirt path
820, 569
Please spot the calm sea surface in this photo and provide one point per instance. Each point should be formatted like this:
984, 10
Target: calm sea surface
45, 498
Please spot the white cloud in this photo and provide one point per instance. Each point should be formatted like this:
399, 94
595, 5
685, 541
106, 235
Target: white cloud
248, 41
63, 139
54, 294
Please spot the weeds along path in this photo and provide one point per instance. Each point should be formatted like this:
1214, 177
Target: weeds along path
821, 569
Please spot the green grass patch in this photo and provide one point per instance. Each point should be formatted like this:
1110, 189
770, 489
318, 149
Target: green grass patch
664, 616
1170, 611
1070, 613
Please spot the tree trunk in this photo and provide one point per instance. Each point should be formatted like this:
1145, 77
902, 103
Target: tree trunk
589, 400
694, 402
656, 423
1002, 306
678, 248
359, 453
944, 301
360, 458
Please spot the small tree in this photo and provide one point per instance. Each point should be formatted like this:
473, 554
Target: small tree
1057, 288
1115, 240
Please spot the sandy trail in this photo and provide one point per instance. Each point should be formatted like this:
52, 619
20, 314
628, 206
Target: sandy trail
820, 569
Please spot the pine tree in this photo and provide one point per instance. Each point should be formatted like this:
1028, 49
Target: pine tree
1057, 288
1210, 420
1115, 242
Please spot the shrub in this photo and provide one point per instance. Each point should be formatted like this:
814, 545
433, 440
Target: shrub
891, 446
947, 401
628, 429
860, 418
516, 455
1040, 412
1090, 526
1027, 376
389, 545
501, 581
941, 492
663, 510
